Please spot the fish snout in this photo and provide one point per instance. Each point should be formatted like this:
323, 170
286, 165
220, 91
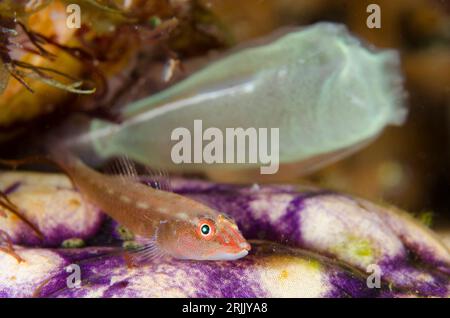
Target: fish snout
245, 246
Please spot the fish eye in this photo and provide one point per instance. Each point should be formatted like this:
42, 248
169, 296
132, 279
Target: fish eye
206, 228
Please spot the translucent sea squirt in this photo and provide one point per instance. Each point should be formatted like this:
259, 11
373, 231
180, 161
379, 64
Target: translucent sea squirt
323, 89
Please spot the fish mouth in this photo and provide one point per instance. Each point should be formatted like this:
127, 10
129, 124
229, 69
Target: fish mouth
229, 256
246, 246
241, 254
232, 254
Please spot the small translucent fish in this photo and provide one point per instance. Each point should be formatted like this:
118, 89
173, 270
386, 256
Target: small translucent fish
167, 223
323, 90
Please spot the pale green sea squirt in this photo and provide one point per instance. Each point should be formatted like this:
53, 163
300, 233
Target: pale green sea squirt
319, 85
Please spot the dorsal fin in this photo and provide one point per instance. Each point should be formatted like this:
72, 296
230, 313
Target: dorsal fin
125, 168
122, 166
157, 179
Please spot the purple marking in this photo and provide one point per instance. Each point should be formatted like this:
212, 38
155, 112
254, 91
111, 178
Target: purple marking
347, 285
236, 278
231, 281
405, 273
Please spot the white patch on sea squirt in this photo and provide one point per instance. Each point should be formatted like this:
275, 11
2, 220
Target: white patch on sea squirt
336, 224
282, 276
50, 202
165, 279
272, 208
22, 279
411, 231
